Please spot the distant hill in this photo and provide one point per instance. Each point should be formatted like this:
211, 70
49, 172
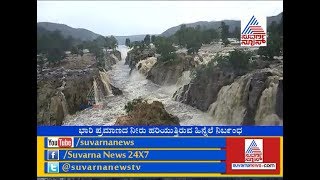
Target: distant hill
215, 24
80, 33
76, 33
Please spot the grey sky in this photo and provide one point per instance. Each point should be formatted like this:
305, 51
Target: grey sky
147, 17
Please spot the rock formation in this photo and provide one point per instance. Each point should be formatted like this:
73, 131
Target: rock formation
148, 114
63, 89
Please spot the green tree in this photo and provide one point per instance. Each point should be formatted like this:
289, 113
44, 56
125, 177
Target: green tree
193, 46
55, 55
273, 28
281, 26
224, 33
153, 38
165, 49
114, 42
80, 46
74, 50
236, 33
146, 39
225, 42
239, 59
40, 61
273, 47
127, 42
180, 35
274, 41
111, 42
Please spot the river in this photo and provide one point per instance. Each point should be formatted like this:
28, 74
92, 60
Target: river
134, 86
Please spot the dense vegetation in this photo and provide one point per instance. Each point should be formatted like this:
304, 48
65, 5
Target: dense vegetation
131, 104
274, 41
238, 60
52, 45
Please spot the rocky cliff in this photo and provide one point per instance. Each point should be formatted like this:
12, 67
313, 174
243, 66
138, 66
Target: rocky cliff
250, 100
204, 88
233, 96
137, 54
64, 89
111, 58
168, 72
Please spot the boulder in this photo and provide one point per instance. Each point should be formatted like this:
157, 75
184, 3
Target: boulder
145, 114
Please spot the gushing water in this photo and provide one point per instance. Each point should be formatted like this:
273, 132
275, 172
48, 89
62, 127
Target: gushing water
96, 92
267, 104
106, 81
135, 86
230, 106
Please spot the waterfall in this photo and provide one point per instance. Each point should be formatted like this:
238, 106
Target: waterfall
146, 65
106, 81
64, 104
232, 101
230, 107
265, 114
184, 79
183, 82
96, 92
123, 50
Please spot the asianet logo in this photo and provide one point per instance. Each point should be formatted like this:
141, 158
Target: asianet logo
254, 32
253, 150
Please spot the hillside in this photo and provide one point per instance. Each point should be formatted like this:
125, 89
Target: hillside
76, 33
80, 33
215, 24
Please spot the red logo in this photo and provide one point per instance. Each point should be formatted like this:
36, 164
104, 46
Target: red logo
65, 142
253, 156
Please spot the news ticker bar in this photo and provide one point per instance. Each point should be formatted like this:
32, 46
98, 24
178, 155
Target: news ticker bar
160, 131
135, 142
135, 155
133, 167
146, 161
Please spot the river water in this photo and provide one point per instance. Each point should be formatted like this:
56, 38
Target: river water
134, 86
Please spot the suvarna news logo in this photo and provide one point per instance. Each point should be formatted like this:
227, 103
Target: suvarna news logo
254, 150
254, 31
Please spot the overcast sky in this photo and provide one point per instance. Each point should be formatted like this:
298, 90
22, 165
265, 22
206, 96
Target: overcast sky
147, 17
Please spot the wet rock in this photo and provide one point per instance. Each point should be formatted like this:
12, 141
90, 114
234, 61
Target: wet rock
256, 86
117, 54
74, 80
137, 54
249, 100
168, 72
279, 100
203, 90
115, 91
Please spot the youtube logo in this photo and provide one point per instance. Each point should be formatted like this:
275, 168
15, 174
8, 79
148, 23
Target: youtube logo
59, 142
65, 142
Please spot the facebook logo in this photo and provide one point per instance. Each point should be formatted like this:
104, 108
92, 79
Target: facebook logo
53, 154
53, 167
